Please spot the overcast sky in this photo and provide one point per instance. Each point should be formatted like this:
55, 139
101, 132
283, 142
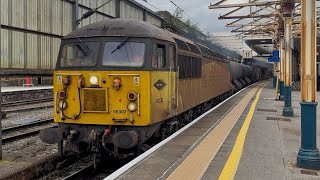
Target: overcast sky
197, 9
207, 18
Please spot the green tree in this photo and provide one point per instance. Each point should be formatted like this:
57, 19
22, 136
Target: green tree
178, 14
178, 19
188, 22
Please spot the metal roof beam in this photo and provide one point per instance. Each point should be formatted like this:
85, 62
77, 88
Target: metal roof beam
237, 30
257, 23
255, 12
217, 6
217, 3
250, 16
254, 30
251, 24
235, 10
230, 24
233, 22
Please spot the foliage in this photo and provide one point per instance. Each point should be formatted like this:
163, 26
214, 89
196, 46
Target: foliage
187, 25
193, 32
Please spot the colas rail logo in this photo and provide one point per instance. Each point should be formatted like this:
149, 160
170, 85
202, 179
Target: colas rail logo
160, 84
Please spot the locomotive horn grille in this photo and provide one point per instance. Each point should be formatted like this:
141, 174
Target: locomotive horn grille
95, 100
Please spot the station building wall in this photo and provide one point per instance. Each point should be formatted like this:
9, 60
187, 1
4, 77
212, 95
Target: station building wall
31, 29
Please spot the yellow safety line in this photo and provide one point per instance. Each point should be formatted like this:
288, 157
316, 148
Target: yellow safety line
3, 161
231, 166
196, 163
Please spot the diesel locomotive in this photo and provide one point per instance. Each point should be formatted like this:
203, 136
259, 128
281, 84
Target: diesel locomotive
117, 83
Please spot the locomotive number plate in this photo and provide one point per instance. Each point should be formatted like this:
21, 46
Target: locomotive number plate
119, 111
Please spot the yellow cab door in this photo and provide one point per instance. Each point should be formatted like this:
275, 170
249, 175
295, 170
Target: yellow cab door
163, 82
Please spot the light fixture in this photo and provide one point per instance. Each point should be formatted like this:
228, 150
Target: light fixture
63, 105
66, 81
132, 106
62, 94
93, 80
132, 96
116, 83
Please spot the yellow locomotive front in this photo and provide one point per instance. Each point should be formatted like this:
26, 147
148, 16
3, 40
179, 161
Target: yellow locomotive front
114, 83
102, 97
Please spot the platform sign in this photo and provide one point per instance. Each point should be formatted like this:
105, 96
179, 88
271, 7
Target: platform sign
271, 59
275, 56
247, 54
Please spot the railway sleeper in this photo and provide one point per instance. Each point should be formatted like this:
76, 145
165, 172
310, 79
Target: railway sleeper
3, 114
144, 147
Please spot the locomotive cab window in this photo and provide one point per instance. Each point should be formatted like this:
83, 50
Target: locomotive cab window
125, 54
159, 60
80, 54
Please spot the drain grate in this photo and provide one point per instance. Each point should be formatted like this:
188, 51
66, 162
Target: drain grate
278, 119
314, 173
267, 110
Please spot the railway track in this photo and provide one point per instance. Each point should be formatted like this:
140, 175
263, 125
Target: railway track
81, 173
26, 109
72, 166
103, 169
79, 168
26, 102
23, 131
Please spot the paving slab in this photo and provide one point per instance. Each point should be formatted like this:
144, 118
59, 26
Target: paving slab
271, 146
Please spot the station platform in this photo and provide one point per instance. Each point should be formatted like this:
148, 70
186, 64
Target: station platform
244, 137
21, 88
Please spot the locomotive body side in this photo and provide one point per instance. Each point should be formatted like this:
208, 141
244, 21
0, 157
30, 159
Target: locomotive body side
214, 81
117, 100
203, 75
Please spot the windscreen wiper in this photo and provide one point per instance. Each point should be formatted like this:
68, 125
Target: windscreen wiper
121, 44
85, 49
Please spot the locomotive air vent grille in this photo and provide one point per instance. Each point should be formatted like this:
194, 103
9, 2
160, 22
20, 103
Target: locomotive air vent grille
95, 100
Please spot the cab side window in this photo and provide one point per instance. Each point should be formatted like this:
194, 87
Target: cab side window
159, 61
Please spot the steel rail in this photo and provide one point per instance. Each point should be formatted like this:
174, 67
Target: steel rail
26, 102
83, 172
6, 140
27, 109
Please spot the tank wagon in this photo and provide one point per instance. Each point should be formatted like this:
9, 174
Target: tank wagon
117, 83
240, 75
261, 69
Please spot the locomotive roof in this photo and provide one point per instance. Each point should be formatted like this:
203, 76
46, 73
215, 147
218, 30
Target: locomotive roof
121, 27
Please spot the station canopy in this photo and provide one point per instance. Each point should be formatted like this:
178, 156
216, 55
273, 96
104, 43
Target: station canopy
260, 22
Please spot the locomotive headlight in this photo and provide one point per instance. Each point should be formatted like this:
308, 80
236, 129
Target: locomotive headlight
132, 96
63, 105
62, 94
132, 106
93, 80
